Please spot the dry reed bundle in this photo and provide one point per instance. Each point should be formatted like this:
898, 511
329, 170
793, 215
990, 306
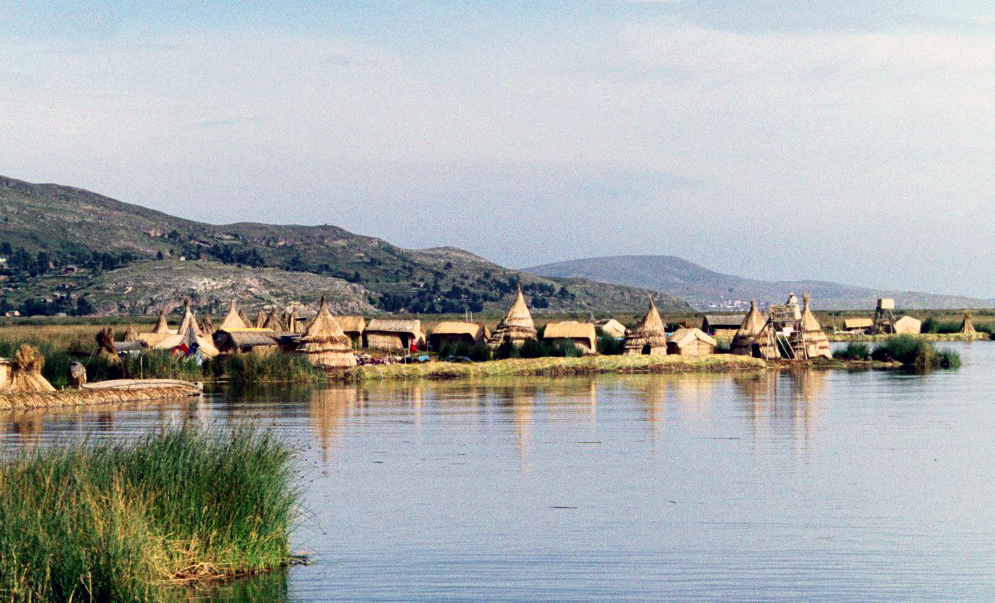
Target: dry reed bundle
25, 374
131, 334
105, 345
87, 397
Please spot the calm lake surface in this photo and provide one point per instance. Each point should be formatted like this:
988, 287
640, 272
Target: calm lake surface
779, 486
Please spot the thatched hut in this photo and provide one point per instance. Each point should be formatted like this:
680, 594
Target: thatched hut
260, 320
581, 335
385, 334
722, 325
611, 328
233, 321
5, 372
245, 318
325, 343
967, 325
648, 337
260, 342
907, 325
189, 337
454, 333
754, 337
159, 332
690, 342
206, 326
24, 373
809, 341
857, 325
516, 327
130, 334
353, 327
273, 322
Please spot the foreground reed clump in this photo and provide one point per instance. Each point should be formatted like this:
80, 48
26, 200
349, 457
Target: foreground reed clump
274, 368
916, 352
115, 522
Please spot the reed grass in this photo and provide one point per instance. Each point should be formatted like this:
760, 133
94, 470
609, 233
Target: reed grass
272, 368
855, 350
114, 522
917, 352
585, 365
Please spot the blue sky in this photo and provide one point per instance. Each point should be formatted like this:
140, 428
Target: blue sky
775, 140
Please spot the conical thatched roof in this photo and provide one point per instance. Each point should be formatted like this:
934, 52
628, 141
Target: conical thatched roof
189, 334
325, 343
516, 327
25, 373
130, 334
273, 322
161, 325
810, 341
245, 319
260, 319
752, 332
232, 320
189, 322
206, 326
967, 326
649, 331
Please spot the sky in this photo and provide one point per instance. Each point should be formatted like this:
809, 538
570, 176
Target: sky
774, 139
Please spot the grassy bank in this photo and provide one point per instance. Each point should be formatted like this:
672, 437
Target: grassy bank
588, 365
842, 337
124, 522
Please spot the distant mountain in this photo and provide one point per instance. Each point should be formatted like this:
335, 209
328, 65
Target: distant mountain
59, 245
708, 290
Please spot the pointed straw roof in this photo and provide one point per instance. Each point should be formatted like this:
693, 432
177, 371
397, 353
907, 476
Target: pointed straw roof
130, 334
245, 319
189, 322
751, 332
809, 322
518, 315
206, 326
516, 327
260, 319
649, 331
292, 325
273, 322
967, 326
232, 320
189, 334
810, 341
325, 343
753, 322
161, 325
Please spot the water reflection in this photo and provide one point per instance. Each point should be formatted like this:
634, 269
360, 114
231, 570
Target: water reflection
788, 403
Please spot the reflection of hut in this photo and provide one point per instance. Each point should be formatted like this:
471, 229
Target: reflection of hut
611, 328
246, 341
189, 336
753, 338
353, 327
809, 341
24, 373
690, 342
907, 325
233, 320
967, 325
722, 325
325, 343
648, 336
384, 334
581, 335
454, 333
516, 327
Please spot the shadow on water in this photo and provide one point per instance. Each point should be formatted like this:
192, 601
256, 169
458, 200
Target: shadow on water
270, 587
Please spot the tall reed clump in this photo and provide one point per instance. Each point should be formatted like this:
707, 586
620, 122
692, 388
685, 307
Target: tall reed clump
855, 350
916, 352
114, 522
272, 368
477, 353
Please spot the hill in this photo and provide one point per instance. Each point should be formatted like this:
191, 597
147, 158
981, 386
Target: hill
71, 250
709, 290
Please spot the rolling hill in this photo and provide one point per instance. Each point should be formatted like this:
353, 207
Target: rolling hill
62, 245
708, 290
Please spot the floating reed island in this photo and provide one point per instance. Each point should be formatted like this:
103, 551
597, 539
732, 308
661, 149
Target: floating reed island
114, 522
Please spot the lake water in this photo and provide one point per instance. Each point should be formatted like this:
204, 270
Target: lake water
782, 486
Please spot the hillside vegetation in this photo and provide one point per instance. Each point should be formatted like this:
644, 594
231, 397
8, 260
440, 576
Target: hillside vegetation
74, 251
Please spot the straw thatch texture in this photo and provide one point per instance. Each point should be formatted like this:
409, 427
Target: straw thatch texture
648, 336
5, 373
611, 328
516, 327
105, 345
130, 334
206, 326
84, 397
809, 341
273, 322
753, 337
189, 335
907, 325
384, 334
690, 342
324, 343
857, 325
455, 332
161, 325
715, 323
244, 341
25, 373
260, 320
582, 335
245, 319
233, 320
967, 326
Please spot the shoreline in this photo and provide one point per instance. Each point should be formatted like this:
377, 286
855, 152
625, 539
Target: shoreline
95, 396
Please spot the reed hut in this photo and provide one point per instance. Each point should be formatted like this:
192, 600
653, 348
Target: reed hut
206, 326
516, 327
907, 325
353, 327
189, 337
260, 342
857, 325
324, 343
753, 337
245, 318
5, 373
611, 328
809, 341
455, 333
233, 321
24, 373
581, 335
722, 325
260, 320
130, 334
159, 332
273, 322
690, 342
384, 334
967, 325
648, 337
